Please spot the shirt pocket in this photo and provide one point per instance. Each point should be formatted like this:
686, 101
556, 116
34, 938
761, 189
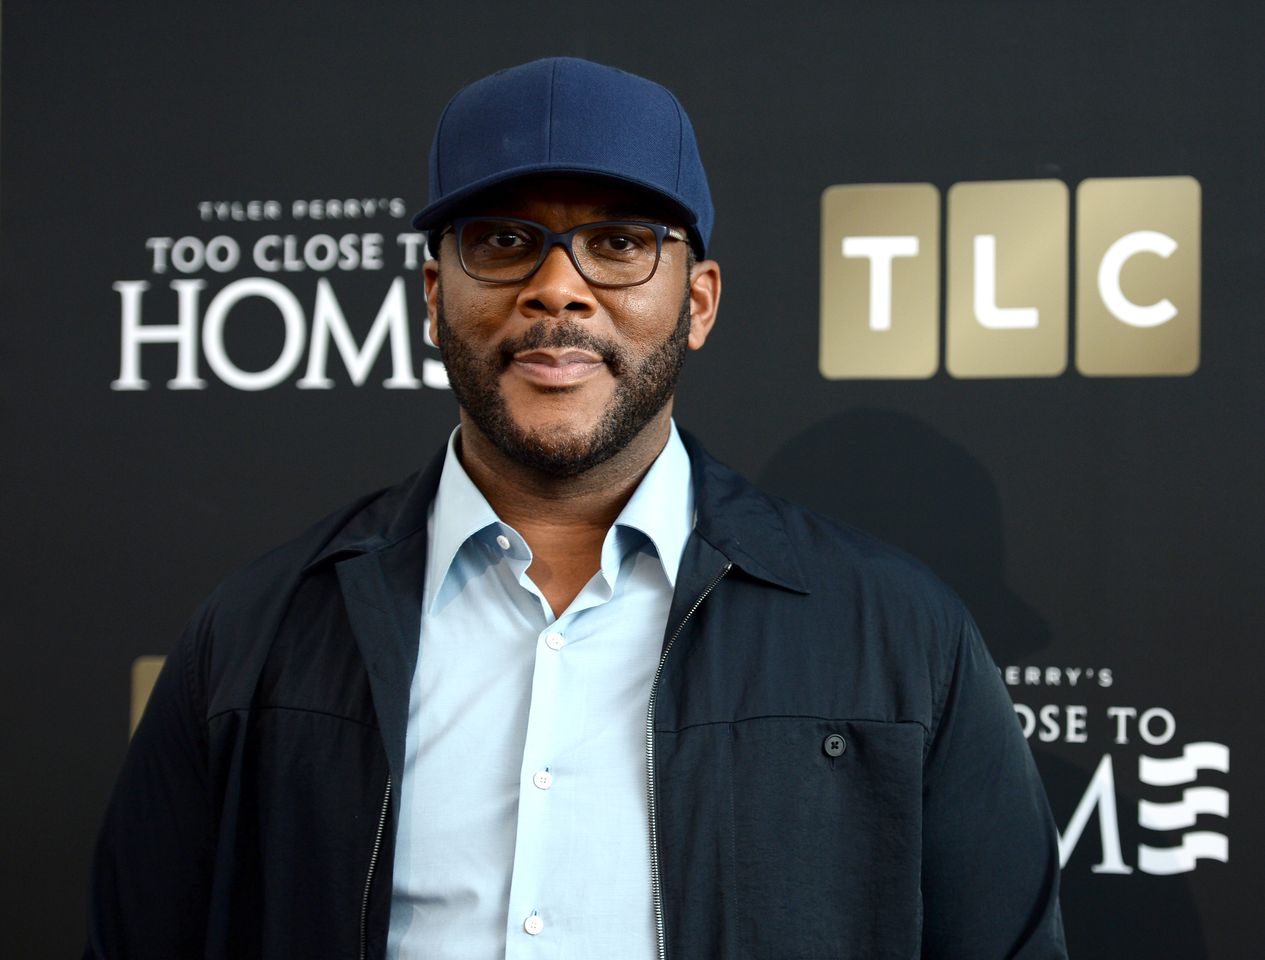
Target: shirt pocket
827, 837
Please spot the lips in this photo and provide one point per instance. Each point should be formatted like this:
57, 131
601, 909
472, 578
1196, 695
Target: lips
556, 368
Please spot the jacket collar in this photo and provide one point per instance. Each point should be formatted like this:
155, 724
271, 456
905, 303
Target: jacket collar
744, 524
396, 514
380, 552
741, 522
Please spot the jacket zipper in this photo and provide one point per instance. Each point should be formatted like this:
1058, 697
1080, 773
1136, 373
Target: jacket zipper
655, 892
373, 863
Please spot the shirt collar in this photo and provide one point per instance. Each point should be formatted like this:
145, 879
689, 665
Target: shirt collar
662, 506
458, 512
661, 509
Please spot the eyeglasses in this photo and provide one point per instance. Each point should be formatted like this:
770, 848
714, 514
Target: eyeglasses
607, 253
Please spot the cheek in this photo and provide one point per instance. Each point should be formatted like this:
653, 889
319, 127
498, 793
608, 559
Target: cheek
645, 321
476, 314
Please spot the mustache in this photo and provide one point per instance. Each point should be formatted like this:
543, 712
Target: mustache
559, 335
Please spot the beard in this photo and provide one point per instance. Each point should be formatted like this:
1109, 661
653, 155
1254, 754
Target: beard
642, 389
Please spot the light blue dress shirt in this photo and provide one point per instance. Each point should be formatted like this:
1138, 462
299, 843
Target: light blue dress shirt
523, 810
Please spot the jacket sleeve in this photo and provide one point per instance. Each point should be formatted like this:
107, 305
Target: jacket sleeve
990, 848
150, 876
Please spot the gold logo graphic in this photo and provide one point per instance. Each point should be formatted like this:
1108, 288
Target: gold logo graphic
1007, 279
145, 671
880, 281
1137, 262
1137, 277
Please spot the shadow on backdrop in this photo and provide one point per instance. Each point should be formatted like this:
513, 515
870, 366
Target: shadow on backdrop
900, 480
897, 478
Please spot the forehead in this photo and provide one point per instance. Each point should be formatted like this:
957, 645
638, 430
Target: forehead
562, 200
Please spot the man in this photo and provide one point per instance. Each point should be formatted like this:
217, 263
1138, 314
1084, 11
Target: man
576, 690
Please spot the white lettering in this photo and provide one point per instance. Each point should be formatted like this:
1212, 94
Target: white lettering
1169, 726
183, 333
986, 310
1113, 261
880, 251
187, 255
411, 242
1076, 724
1101, 794
213, 333
320, 252
160, 246
434, 374
328, 321
1027, 719
1055, 721
262, 257
371, 251
1049, 723
222, 254
1122, 716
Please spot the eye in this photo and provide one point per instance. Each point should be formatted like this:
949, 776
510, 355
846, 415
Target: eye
620, 242
505, 239
498, 236
498, 239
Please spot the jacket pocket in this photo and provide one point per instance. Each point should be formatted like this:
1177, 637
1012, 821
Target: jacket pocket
826, 837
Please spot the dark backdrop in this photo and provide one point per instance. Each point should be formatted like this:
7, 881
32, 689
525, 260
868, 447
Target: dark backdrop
1106, 531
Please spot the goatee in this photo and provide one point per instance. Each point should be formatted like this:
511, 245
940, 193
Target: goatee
642, 389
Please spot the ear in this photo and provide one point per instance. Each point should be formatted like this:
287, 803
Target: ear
704, 301
430, 279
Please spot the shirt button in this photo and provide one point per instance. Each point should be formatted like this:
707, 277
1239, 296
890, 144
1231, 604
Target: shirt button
555, 641
503, 542
533, 924
542, 779
834, 745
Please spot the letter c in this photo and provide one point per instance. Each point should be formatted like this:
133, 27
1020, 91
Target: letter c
1113, 261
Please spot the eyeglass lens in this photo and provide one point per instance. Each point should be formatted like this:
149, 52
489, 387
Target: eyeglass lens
611, 253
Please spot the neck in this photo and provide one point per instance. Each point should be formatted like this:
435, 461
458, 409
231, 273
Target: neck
563, 519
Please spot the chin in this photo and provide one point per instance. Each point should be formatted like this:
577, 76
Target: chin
557, 449
563, 449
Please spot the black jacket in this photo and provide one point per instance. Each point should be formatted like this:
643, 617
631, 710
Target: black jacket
836, 767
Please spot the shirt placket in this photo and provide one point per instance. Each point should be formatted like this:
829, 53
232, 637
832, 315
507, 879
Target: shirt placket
529, 926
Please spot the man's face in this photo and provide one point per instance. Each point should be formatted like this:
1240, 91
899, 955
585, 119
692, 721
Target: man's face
558, 374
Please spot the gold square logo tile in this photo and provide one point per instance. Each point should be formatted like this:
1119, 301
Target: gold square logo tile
1137, 276
1006, 291
880, 279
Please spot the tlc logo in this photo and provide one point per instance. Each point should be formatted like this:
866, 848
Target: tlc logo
1007, 277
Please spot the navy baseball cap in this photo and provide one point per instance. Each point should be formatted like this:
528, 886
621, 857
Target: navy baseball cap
563, 115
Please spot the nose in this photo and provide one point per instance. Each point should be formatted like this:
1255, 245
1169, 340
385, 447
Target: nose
556, 289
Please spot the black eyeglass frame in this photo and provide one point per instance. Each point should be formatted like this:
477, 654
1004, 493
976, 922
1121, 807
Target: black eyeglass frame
661, 232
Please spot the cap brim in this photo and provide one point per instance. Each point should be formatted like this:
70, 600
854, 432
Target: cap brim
439, 213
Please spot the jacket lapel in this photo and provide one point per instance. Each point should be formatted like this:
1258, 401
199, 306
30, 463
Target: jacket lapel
382, 592
380, 559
